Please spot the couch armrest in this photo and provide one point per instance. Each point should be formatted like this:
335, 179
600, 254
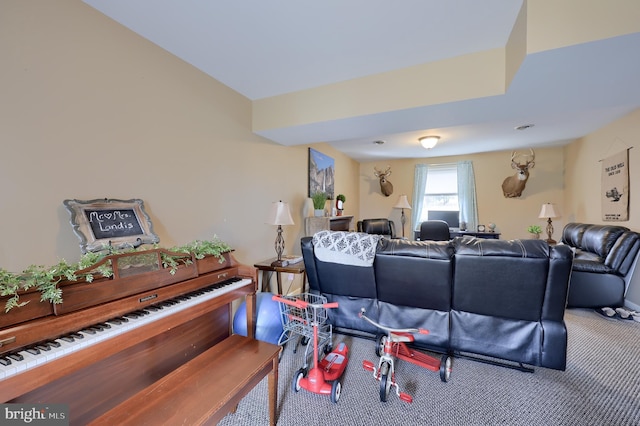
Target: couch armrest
557, 289
623, 253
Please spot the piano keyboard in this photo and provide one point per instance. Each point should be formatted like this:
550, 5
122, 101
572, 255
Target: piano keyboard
42, 353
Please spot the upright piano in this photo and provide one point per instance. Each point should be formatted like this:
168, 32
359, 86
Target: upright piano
115, 336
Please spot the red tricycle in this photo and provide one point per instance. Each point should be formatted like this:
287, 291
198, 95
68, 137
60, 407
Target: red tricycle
306, 315
394, 345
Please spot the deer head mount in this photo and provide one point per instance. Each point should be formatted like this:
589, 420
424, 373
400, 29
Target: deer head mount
385, 186
513, 186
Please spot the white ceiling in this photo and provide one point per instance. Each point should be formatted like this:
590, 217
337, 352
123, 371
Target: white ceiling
267, 48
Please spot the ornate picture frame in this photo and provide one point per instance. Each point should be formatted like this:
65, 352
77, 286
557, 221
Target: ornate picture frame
105, 223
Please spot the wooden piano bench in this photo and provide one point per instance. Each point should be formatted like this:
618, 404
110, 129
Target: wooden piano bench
205, 389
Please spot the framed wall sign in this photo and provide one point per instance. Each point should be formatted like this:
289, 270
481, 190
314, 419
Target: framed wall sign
105, 223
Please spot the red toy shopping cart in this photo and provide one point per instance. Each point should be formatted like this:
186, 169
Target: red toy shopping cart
305, 315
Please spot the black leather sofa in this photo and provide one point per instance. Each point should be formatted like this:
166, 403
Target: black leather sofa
605, 258
495, 298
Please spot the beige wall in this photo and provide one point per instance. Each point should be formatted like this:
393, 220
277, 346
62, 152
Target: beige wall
90, 110
511, 215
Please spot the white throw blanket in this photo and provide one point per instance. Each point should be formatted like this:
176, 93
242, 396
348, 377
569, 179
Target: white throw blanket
347, 248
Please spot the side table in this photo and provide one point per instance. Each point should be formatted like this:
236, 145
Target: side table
292, 268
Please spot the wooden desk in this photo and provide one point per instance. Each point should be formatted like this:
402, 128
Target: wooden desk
293, 268
487, 235
205, 389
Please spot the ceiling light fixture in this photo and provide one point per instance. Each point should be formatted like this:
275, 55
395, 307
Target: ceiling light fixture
524, 127
429, 141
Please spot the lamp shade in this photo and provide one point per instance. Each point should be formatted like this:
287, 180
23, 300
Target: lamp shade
280, 214
548, 211
402, 203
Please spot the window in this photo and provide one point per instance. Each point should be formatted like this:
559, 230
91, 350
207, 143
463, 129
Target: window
445, 188
441, 194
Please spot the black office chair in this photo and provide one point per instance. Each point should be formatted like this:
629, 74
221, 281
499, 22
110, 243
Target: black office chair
434, 230
384, 227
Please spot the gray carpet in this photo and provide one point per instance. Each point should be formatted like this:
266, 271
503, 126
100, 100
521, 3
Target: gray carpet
601, 386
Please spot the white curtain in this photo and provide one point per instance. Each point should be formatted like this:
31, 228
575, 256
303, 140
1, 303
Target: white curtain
419, 186
466, 194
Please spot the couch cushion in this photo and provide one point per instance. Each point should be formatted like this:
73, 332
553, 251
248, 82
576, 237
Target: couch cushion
500, 278
599, 239
572, 234
415, 273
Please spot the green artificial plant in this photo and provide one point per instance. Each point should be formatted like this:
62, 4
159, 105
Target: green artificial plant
534, 229
46, 279
319, 199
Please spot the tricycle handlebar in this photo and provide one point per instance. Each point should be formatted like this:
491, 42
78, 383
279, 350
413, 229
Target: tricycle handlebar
389, 329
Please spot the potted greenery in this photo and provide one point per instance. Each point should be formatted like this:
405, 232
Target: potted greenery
319, 200
340, 200
40, 283
535, 231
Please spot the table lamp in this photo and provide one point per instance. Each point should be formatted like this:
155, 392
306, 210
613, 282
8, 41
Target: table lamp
279, 215
548, 212
402, 204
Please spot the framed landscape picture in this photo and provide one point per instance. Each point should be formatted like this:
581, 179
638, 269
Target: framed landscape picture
321, 173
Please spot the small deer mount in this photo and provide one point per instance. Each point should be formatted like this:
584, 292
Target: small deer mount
385, 186
513, 186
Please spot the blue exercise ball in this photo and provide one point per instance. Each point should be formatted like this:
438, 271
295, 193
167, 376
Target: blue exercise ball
268, 323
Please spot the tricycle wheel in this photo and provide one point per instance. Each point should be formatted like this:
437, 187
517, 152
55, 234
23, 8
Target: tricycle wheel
385, 381
380, 341
336, 388
445, 368
295, 384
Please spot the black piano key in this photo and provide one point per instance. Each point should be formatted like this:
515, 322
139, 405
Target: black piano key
5, 361
54, 344
153, 308
43, 347
33, 351
68, 338
88, 331
16, 357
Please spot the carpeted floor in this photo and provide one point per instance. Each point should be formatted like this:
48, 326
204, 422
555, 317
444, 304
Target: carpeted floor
601, 386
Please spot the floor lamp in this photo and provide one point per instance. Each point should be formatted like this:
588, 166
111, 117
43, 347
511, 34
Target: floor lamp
548, 212
402, 204
279, 215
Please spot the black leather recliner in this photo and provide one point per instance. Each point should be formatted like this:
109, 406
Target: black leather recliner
384, 227
434, 230
605, 258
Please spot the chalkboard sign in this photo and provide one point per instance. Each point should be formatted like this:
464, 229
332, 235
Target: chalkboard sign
109, 223
112, 223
